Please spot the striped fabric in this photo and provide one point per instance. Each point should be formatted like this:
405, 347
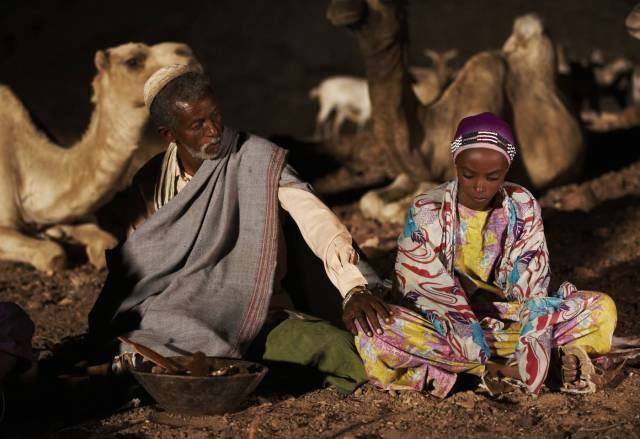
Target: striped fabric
482, 139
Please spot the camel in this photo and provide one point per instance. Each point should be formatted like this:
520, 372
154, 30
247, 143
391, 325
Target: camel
552, 147
563, 65
430, 81
590, 82
348, 96
48, 193
606, 121
632, 22
416, 138
151, 143
587, 195
607, 73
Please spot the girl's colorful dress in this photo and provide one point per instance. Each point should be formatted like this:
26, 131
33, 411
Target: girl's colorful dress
474, 287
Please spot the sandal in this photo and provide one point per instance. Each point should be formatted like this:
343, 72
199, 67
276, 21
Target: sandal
584, 382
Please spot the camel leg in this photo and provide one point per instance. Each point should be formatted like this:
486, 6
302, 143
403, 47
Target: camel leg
44, 255
381, 204
95, 240
608, 121
381, 30
390, 203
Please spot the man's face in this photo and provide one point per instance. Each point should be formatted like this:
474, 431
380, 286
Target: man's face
198, 127
481, 172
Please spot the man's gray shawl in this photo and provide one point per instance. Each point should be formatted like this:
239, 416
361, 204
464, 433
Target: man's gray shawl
198, 274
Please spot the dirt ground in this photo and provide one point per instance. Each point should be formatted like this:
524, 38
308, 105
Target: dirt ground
599, 250
46, 51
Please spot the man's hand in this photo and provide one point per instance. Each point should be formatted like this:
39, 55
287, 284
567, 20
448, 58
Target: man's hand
367, 310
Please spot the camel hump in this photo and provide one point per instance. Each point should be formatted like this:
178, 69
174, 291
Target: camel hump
488, 60
10, 102
14, 114
481, 75
6, 93
479, 81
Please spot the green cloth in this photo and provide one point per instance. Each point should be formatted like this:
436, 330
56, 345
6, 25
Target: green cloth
309, 341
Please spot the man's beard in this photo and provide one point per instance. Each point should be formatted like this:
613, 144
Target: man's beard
202, 154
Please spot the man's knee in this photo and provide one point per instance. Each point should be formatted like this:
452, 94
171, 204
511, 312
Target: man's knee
309, 338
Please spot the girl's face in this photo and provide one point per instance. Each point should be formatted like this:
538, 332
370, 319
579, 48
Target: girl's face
481, 172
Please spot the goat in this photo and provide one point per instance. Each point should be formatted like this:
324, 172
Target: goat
430, 81
347, 96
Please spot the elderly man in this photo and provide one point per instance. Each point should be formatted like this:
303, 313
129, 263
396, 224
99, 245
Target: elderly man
202, 261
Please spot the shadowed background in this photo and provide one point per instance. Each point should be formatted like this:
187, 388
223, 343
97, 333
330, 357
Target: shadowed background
264, 56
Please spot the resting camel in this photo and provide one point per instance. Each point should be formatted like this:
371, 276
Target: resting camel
430, 81
48, 193
612, 185
552, 148
416, 138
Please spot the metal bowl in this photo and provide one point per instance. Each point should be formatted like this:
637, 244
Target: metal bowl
211, 395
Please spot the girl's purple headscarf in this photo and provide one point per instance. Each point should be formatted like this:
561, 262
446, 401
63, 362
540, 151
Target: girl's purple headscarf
484, 130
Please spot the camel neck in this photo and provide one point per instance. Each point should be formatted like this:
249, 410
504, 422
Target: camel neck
384, 52
105, 149
115, 128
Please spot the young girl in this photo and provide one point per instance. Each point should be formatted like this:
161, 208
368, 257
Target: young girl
473, 272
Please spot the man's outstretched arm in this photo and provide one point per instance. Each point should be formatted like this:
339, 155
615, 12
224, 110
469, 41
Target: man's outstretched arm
330, 240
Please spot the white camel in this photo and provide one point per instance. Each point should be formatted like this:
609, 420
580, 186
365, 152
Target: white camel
47, 192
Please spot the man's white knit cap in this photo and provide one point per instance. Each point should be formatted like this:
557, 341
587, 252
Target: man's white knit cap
163, 76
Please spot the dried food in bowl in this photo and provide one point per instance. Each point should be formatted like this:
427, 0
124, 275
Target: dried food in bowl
232, 382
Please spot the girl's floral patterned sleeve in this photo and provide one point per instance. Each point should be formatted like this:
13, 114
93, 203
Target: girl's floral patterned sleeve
524, 272
428, 285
